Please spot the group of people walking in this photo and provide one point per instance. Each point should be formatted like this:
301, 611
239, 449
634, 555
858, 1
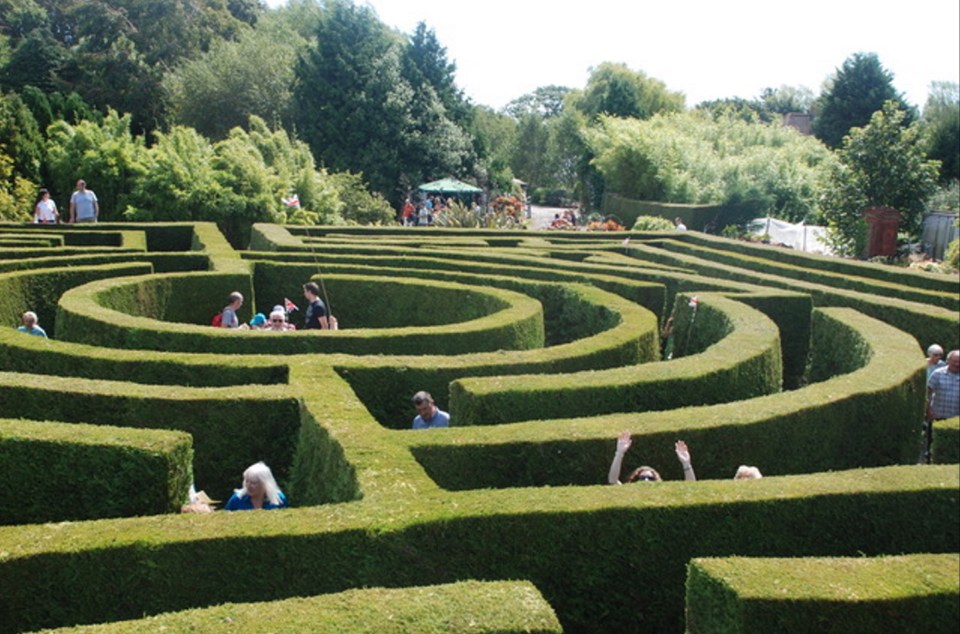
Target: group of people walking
84, 206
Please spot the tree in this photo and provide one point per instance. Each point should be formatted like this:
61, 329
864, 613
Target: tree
425, 63
545, 101
693, 158
221, 89
941, 119
360, 114
787, 99
615, 90
108, 155
859, 88
880, 165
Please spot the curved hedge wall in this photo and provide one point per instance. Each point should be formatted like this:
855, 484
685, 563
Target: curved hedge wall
375, 504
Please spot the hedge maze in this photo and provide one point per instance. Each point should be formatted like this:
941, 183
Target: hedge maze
543, 346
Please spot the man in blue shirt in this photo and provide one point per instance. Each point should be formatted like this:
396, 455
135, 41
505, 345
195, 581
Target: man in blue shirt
427, 413
30, 326
83, 204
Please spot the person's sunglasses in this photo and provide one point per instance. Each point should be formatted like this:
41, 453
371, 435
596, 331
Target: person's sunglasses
646, 478
276, 321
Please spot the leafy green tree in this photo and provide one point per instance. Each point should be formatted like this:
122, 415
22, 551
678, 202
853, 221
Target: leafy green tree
113, 52
21, 137
108, 155
359, 113
236, 79
546, 101
494, 137
941, 119
749, 110
693, 158
615, 90
49, 107
787, 99
858, 89
880, 165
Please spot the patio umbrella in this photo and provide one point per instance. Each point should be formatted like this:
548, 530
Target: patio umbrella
449, 186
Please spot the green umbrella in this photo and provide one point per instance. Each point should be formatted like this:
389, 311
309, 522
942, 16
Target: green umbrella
449, 186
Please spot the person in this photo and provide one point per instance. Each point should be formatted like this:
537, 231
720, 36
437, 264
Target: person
278, 321
228, 317
408, 211
428, 414
30, 326
943, 398
747, 473
83, 204
666, 340
645, 473
259, 491
678, 224
258, 322
934, 359
45, 211
316, 315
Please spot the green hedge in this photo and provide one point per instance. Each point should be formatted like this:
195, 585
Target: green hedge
815, 263
945, 448
39, 291
471, 607
162, 262
867, 417
907, 594
35, 355
592, 552
694, 216
385, 385
899, 286
102, 314
740, 359
232, 427
54, 472
926, 323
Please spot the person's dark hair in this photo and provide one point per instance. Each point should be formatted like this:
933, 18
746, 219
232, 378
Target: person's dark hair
422, 397
43, 190
635, 474
312, 288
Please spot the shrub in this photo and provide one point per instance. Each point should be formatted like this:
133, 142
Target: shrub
652, 223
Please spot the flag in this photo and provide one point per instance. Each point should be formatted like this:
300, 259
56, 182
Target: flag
290, 306
693, 302
293, 201
626, 241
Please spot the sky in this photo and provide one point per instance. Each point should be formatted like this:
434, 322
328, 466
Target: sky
705, 49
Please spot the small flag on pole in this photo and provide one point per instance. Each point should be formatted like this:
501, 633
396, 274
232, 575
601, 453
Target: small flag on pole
626, 241
693, 302
293, 201
290, 306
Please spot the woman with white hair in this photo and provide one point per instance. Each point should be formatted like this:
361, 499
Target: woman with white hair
934, 359
259, 491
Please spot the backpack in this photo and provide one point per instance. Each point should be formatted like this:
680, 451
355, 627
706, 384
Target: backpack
217, 320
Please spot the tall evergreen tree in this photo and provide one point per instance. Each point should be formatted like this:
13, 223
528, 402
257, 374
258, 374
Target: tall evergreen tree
359, 113
860, 87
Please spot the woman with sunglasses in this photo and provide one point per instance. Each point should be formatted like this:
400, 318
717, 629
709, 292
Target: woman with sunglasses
645, 473
278, 321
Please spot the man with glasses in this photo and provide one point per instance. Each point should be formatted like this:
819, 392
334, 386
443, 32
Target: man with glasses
428, 415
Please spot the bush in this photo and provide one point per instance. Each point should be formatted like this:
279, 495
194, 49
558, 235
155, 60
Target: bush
652, 223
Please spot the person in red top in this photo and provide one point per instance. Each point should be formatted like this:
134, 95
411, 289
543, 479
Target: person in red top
408, 210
